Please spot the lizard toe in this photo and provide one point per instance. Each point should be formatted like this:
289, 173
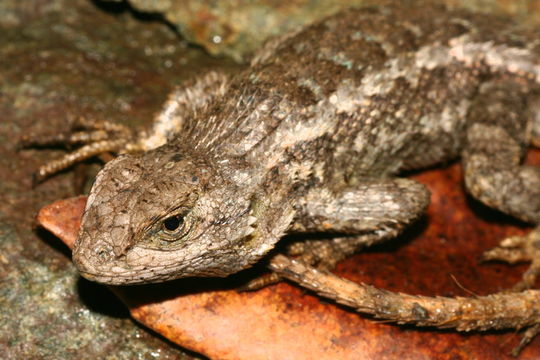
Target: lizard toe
260, 282
519, 249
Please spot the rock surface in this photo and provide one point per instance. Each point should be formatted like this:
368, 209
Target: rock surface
227, 27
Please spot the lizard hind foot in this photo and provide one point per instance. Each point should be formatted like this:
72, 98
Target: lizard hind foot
94, 139
518, 249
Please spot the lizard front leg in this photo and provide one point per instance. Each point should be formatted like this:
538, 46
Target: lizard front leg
495, 145
95, 139
100, 137
373, 211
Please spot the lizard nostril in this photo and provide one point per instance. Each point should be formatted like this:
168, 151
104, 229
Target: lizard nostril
103, 254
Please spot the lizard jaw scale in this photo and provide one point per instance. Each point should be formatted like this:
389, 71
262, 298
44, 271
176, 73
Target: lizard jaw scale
249, 230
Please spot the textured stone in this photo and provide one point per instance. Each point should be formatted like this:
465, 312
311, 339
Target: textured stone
227, 27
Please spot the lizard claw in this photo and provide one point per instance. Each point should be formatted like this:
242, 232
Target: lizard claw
517, 249
260, 282
527, 337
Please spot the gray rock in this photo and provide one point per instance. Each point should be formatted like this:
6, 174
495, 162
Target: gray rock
238, 27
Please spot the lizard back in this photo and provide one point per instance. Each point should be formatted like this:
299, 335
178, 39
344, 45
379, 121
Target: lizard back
368, 92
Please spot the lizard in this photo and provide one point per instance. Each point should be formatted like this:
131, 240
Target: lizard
312, 137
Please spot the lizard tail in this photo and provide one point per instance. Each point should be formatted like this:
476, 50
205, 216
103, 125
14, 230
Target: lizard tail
516, 310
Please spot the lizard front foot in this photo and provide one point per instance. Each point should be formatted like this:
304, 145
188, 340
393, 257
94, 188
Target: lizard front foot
320, 254
94, 138
517, 249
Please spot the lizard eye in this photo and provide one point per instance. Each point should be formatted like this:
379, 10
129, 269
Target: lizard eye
167, 232
173, 225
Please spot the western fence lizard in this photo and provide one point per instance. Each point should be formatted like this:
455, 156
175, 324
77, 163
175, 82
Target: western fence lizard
312, 137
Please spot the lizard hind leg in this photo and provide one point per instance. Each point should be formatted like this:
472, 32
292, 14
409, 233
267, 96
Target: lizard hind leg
495, 145
105, 137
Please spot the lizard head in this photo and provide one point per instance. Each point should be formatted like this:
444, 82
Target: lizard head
164, 215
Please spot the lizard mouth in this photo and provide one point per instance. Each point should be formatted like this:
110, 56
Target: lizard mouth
104, 267
90, 276
126, 276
